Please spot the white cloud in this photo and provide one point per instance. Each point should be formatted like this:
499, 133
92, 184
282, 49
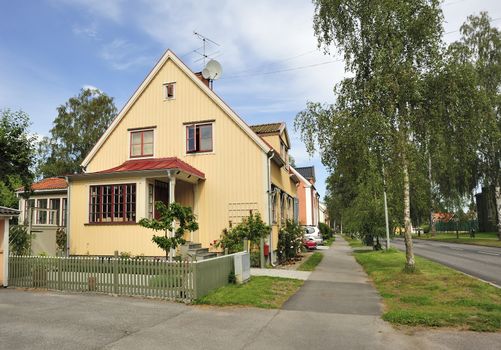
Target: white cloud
88, 30
122, 55
109, 9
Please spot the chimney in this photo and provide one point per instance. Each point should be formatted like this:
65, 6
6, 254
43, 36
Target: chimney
205, 81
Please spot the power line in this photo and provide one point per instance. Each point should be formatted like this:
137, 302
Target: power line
457, 30
282, 70
452, 2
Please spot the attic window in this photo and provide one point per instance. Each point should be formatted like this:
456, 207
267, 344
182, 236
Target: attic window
141, 143
169, 91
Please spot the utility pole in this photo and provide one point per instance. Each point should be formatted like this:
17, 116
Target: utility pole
386, 212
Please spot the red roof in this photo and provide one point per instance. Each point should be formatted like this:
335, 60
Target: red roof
154, 164
50, 183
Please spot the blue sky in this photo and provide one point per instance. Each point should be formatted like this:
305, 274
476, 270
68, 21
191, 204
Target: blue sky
50, 49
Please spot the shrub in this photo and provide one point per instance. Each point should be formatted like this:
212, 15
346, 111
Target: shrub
252, 228
20, 240
232, 278
290, 241
255, 259
326, 231
61, 239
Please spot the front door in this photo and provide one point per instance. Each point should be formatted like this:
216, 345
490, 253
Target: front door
161, 194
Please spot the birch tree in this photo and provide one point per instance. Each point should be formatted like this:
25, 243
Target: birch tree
387, 45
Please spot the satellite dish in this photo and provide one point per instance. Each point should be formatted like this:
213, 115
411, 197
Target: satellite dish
206, 73
213, 70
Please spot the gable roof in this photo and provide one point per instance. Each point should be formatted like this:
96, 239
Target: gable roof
169, 55
50, 183
307, 172
300, 177
154, 164
270, 128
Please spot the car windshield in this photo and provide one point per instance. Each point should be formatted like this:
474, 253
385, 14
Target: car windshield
310, 230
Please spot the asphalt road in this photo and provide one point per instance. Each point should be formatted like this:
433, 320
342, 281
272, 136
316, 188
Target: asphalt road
478, 261
337, 308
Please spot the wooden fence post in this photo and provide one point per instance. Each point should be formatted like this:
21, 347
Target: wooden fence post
59, 274
115, 273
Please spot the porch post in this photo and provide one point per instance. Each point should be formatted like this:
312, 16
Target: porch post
172, 199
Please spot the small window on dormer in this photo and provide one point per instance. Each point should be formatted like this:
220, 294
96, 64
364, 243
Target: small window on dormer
169, 91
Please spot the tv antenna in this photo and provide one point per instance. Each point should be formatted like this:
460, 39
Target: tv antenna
205, 40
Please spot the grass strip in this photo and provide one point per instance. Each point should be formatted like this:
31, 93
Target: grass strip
311, 262
261, 291
328, 242
353, 242
434, 296
489, 239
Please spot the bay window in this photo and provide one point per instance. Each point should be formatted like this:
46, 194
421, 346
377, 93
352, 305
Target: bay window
112, 203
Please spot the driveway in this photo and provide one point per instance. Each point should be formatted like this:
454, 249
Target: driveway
477, 261
336, 309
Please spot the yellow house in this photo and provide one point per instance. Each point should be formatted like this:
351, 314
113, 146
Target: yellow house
176, 140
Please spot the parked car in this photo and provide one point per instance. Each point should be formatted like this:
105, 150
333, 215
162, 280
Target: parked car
314, 233
309, 243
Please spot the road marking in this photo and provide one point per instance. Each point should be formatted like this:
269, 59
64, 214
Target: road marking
488, 253
456, 248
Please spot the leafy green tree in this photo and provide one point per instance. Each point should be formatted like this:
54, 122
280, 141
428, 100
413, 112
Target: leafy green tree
481, 44
78, 126
16, 154
388, 46
173, 218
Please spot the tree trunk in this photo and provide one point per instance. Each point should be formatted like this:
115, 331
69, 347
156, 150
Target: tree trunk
432, 223
410, 264
498, 207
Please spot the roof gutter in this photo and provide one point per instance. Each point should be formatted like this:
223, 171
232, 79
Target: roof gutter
271, 154
130, 173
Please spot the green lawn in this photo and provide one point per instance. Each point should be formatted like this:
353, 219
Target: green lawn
435, 296
261, 291
311, 262
481, 238
353, 242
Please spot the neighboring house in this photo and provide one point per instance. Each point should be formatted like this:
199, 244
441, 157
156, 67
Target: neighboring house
5, 215
47, 203
323, 214
308, 196
175, 141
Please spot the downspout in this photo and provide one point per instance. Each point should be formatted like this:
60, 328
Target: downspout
272, 153
68, 212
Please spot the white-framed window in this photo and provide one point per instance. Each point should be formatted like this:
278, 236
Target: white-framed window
169, 91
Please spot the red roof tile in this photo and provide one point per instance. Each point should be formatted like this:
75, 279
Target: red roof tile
50, 183
154, 164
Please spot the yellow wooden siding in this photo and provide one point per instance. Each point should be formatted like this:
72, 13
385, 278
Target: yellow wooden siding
280, 178
235, 171
273, 141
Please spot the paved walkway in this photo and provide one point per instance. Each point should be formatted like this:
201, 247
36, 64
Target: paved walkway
336, 309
